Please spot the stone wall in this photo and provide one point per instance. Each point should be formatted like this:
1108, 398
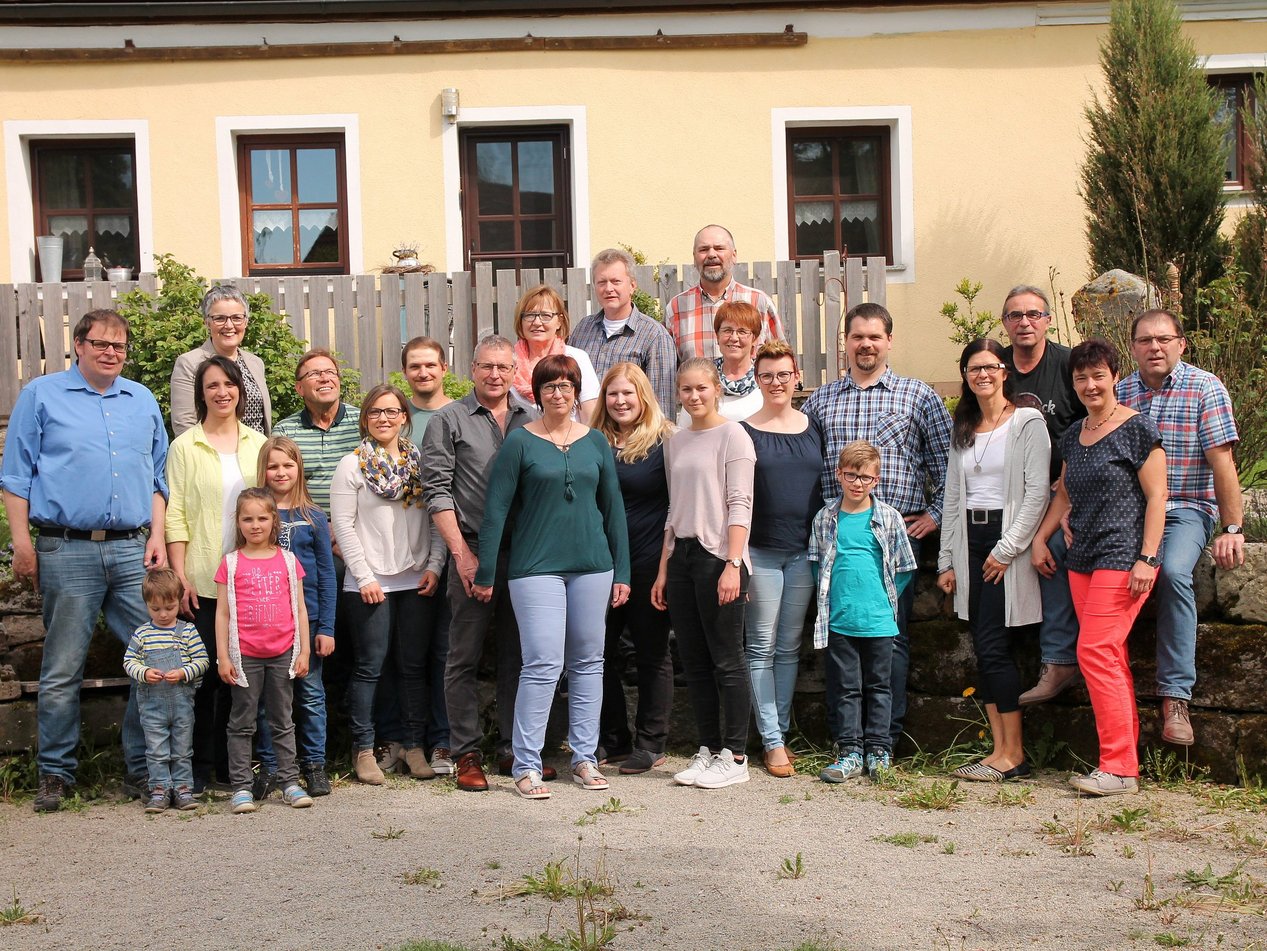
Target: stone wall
1229, 706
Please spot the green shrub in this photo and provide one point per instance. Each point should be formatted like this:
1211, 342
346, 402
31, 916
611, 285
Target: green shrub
455, 387
969, 325
642, 300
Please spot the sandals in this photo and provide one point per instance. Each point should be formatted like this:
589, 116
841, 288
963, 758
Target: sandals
531, 786
587, 776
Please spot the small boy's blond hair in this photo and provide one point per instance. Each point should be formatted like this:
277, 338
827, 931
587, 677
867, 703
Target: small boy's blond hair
858, 455
161, 586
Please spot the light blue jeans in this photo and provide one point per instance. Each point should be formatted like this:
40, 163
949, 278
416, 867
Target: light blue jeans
562, 624
1188, 531
780, 589
79, 580
1058, 634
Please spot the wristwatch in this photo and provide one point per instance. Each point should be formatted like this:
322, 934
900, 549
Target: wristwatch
1233, 530
1151, 560
736, 562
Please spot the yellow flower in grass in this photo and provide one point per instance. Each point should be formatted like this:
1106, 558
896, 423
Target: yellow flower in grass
970, 691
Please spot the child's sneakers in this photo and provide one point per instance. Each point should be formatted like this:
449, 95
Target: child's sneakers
723, 771
183, 798
878, 760
848, 765
157, 801
699, 762
295, 797
242, 801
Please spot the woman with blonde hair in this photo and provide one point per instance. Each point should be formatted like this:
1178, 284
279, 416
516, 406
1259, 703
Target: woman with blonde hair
541, 329
629, 416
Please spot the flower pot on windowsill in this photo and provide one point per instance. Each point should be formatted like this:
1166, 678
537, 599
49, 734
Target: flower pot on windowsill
51, 247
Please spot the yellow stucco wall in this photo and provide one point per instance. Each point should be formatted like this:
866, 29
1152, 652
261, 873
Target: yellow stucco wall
676, 139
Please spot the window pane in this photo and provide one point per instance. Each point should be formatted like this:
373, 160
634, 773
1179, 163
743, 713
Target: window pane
318, 173
1228, 118
270, 177
62, 180
497, 236
537, 235
318, 235
536, 178
815, 227
859, 166
112, 240
113, 184
860, 227
272, 239
492, 165
542, 262
75, 239
811, 169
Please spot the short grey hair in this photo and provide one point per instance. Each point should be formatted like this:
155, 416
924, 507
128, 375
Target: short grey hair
491, 342
222, 292
1020, 289
612, 256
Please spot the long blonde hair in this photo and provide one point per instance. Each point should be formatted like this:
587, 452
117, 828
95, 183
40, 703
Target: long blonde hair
299, 499
651, 427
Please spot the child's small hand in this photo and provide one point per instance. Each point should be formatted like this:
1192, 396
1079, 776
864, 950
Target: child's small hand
301, 665
175, 676
324, 645
946, 581
152, 675
228, 673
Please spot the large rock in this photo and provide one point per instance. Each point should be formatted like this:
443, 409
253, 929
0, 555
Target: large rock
18, 629
1242, 592
1108, 304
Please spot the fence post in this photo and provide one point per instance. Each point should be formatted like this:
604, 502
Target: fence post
483, 299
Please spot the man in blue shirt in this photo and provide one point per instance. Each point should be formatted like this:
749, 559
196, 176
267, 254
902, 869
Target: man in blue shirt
83, 465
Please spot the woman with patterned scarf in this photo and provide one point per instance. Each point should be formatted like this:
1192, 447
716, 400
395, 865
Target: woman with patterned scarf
541, 329
394, 556
738, 328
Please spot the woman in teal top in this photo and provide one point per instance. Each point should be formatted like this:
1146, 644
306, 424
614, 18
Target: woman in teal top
555, 481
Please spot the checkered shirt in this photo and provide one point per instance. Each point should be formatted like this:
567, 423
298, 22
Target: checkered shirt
905, 420
1194, 413
690, 318
642, 341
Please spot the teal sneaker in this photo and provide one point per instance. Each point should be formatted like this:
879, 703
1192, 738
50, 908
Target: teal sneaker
295, 797
847, 766
877, 761
242, 801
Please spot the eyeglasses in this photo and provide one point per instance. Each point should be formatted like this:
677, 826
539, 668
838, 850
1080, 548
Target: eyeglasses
1033, 316
385, 412
101, 346
539, 317
1164, 339
858, 477
221, 320
502, 368
742, 333
783, 376
549, 389
984, 368
330, 374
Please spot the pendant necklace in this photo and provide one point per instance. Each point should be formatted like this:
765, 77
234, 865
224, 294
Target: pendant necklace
976, 467
567, 468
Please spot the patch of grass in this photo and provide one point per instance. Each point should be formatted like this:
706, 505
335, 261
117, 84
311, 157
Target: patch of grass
1010, 796
1127, 820
792, 867
1163, 767
595, 916
948, 848
492, 865
907, 840
423, 876
1169, 939
16, 913
1128, 852
785, 799
388, 834
939, 794
19, 777
1073, 838
610, 808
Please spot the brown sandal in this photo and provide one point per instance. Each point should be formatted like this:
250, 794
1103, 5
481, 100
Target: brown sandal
781, 770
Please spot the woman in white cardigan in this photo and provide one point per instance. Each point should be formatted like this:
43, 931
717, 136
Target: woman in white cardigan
394, 556
996, 493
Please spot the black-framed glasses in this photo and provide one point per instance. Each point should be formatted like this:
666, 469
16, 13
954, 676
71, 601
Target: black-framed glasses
391, 413
101, 346
539, 317
984, 368
743, 333
331, 374
549, 389
222, 320
783, 376
1164, 339
858, 477
1033, 316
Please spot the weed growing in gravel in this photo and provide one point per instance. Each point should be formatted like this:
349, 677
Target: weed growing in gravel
19, 776
15, 913
785, 799
938, 794
1012, 796
792, 867
1128, 852
423, 876
1169, 939
948, 848
1073, 838
1167, 770
1126, 820
492, 865
386, 835
907, 840
610, 808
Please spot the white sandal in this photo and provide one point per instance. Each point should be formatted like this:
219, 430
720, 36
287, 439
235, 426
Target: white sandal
535, 788
587, 776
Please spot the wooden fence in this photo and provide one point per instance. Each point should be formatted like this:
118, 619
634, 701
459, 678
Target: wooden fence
366, 317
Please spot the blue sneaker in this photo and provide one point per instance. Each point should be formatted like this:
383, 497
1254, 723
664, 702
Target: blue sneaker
242, 801
847, 766
295, 797
878, 760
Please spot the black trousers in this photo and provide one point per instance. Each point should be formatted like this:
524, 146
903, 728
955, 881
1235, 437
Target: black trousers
649, 631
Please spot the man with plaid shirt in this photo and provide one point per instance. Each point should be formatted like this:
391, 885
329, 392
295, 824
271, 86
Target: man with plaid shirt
1194, 413
907, 421
690, 316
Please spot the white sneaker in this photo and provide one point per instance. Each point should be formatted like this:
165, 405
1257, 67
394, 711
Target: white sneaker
724, 771
699, 762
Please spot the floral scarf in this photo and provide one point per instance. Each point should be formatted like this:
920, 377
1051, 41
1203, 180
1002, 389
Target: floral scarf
740, 387
392, 476
524, 365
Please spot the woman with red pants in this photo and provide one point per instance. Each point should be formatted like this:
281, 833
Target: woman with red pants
1113, 488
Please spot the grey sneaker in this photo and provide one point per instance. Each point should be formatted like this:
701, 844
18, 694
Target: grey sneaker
1053, 680
157, 801
242, 801
847, 766
295, 797
724, 770
1099, 783
442, 761
183, 799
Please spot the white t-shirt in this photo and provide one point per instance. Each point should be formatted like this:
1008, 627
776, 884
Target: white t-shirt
985, 487
231, 486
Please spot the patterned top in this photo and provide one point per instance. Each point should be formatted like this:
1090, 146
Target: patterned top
642, 341
1193, 411
322, 448
1107, 514
895, 548
183, 637
253, 413
903, 418
690, 318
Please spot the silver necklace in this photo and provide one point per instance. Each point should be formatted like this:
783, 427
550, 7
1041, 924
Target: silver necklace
976, 467
568, 493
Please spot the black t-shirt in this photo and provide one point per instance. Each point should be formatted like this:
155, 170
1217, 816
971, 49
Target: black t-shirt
1049, 388
785, 492
645, 488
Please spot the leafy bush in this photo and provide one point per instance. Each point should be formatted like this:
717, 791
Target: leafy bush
642, 300
455, 387
968, 326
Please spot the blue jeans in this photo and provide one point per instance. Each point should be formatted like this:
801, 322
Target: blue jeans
310, 721
376, 626
1058, 634
901, 662
1187, 533
859, 695
780, 589
167, 717
79, 580
562, 624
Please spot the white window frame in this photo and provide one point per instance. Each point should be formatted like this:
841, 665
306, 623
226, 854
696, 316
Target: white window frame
573, 117
18, 134
902, 177
228, 128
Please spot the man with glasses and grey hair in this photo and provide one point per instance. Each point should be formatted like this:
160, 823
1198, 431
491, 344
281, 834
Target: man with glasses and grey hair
1043, 382
458, 449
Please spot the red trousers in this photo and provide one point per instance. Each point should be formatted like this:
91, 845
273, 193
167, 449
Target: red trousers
1106, 610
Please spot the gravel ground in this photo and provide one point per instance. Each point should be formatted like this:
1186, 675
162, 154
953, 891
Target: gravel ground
691, 869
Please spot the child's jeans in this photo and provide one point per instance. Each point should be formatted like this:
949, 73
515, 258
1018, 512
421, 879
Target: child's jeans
167, 717
858, 672
267, 677
309, 709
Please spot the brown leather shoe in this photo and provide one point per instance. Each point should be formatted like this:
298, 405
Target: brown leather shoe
470, 773
1176, 724
1053, 680
506, 765
781, 770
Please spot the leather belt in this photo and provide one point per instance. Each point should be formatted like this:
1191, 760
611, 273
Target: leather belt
84, 535
984, 516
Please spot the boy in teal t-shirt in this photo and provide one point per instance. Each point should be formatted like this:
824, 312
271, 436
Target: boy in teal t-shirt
864, 563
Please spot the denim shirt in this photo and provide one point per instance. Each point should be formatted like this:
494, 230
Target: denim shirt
889, 529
